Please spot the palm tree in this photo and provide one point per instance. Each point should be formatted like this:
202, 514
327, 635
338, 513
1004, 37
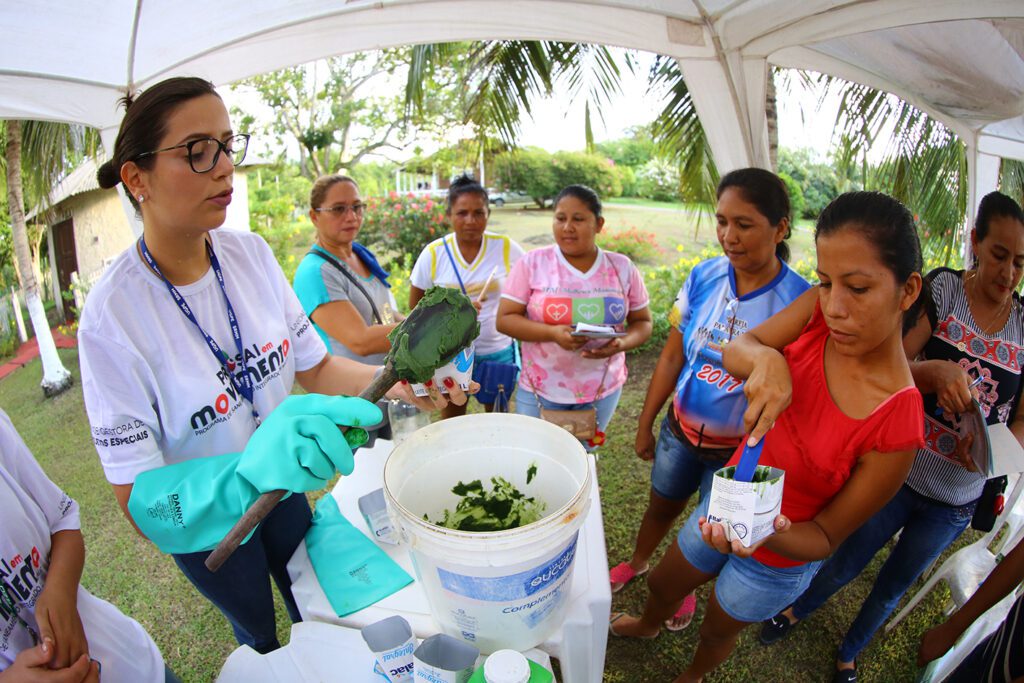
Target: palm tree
48, 148
925, 166
503, 77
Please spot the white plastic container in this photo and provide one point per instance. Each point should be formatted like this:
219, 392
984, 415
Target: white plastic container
503, 589
746, 509
459, 369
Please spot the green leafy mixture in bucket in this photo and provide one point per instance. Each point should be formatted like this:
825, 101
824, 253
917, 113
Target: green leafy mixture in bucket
502, 508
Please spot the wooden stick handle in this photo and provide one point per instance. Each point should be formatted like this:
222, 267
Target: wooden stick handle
267, 501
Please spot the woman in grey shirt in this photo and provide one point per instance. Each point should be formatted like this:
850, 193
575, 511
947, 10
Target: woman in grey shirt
342, 288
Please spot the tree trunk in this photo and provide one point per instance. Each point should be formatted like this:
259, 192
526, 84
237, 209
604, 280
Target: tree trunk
771, 113
56, 378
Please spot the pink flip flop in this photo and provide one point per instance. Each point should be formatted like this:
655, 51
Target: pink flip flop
622, 574
684, 615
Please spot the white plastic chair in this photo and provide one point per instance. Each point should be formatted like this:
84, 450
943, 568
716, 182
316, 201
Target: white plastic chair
938, 670
965, 569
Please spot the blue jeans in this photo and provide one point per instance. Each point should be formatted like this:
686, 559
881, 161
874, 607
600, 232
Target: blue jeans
928, 529
677, 471
526, 404
241, 588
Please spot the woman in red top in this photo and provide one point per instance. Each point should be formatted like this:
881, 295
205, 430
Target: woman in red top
830, 369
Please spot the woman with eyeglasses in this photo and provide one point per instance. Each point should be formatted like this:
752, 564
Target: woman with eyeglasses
722, 298
190, 345
340, 285
477, 261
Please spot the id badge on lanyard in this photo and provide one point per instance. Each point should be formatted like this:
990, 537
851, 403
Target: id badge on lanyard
242, 382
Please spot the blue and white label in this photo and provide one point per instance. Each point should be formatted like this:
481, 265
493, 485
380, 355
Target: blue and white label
513, 587
464, 361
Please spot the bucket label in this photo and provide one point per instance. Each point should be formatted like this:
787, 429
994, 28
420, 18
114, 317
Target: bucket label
513, 587
537, 610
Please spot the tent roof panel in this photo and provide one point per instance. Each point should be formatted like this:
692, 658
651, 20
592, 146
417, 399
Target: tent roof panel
52, 37
941, 63
71, 61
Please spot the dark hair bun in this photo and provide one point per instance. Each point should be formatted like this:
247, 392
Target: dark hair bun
107, 176
463, 180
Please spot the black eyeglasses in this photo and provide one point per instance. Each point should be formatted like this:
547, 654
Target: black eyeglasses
340, 210
204, 153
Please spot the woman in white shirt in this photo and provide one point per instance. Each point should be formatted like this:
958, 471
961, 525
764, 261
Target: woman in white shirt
190, 339
50, 627
472, 259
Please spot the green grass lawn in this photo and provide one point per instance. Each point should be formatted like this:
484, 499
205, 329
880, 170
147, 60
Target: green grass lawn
195, 639
681, 230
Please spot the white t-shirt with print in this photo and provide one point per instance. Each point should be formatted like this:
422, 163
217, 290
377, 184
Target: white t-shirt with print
153, 390
33, 508
498, 253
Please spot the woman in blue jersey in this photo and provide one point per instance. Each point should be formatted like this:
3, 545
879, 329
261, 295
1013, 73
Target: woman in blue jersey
722, 298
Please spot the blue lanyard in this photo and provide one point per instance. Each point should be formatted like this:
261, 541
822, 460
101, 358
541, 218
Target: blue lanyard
244, 385
455, 267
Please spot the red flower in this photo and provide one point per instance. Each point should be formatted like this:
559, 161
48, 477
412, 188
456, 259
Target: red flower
598, 440
393, 194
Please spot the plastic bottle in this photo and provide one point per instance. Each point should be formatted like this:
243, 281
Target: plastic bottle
509, 666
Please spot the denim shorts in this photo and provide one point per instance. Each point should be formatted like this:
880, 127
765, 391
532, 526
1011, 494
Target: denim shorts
746, 589
677, 471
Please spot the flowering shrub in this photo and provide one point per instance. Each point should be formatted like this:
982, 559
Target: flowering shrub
663, 283
399, 225
399, 271
287, 239
807, 268
640, 246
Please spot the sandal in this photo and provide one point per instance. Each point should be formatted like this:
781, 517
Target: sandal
684, 615
622, 574
618, 615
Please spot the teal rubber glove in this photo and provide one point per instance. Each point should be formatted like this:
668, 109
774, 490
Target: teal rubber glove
190, 506
299, 447
353, 571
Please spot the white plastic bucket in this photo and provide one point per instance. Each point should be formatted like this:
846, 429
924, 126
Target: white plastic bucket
502, 589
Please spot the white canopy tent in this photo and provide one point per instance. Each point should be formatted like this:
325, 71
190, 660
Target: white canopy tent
961, 62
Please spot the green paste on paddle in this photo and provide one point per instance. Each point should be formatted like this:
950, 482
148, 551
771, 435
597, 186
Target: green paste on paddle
502, 508
443, 323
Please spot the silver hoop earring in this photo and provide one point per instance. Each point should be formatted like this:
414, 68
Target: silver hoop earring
141, 198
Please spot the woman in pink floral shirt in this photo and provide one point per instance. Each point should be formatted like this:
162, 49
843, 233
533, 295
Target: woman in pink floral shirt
553, 289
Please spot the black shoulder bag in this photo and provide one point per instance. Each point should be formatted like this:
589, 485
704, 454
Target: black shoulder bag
344, 271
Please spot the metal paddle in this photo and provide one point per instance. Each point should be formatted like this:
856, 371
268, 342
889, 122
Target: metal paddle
443, 323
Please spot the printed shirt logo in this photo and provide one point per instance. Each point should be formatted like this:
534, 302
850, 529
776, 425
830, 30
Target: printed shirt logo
22, 577
263, 363
598, 310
